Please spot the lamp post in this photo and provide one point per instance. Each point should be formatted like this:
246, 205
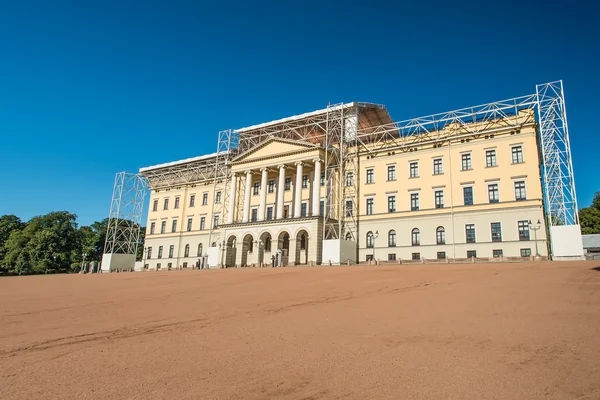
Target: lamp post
535, 228
375, 236
84, 255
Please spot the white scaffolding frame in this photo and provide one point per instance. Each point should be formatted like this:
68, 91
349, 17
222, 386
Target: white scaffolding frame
125, 216
374, 132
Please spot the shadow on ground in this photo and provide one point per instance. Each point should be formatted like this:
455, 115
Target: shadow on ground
596, 269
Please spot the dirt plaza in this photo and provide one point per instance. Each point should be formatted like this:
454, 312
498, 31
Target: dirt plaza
473, 331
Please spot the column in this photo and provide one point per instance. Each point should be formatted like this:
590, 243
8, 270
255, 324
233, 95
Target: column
263, 194
280, 190
298, 190
316, 194
231, 210
247, 196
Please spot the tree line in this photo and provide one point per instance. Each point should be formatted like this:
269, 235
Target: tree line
51, 243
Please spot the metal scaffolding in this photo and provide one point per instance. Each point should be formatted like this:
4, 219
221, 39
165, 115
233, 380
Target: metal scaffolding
125, 217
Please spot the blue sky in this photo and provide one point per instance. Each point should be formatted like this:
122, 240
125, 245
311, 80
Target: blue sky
91, 88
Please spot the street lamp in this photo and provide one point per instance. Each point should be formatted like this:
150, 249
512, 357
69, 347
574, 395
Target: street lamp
375, 236
84, 255
535, 229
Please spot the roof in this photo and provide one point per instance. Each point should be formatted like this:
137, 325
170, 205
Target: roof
178, 163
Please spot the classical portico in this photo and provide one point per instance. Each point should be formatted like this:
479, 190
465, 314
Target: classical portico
276, 197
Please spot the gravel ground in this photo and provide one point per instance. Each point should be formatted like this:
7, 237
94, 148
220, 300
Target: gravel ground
483, 331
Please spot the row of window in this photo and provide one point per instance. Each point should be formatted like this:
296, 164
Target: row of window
440, 234
441, 255
493, 197
189, 227
287, 184
438, 167
192, 201
186, 251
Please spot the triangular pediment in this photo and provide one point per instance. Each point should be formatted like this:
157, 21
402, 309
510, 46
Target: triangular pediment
274, 147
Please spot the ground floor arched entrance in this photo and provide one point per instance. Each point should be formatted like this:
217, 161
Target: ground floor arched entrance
301, 247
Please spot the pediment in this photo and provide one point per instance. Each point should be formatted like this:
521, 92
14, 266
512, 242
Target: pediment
274, 147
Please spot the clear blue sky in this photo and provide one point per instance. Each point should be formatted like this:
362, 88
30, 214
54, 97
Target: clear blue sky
90, 88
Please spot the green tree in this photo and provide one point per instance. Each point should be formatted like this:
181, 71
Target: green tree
8, 224
596, 201
589, 217
48, 243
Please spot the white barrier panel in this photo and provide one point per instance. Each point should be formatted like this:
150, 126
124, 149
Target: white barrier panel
213, 257
336, 251
123, 262
566, 242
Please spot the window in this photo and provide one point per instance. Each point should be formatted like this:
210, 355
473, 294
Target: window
392, 238
268, 243
468, 195
255, 188
370, 175
414, 201
322, 208
370, 240
416, 237
416, 256
471, 253
466, 161
322, 178
370, 206
199, 254
470, 233
218, 197
166, 204
174, 226
152, 226
497, 253
189, 224
186, 250
160, 249
171, 251
523, 230
204, 199
304, 181
349, 208
441, 255
369, 257
496, 232
271, 186
215, 221
158, 266
202, 223
392, 257
254, 215
192, 200
288, 183
155, 205
303, 242
286, 211
493, 193
437, 166
439, 199
349, 179
303, 208
391, 204
525, 252
440, 235
269, 213
391, 173
490, 158
176, 205
163, 226
517, 154
414, 169
149, 253
185, 264
520, 191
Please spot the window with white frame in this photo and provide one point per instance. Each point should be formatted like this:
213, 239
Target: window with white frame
192, 200
255, 188
414, 201
174, 226
155, 205
490, 158
440, 235
370, 240
414, 169
370, 175
391, 204
439, 199
517, 154
493, 193
466, 161
204, 199
416, 237
438, 167
163, 226
202, 223
523, 227
391, 173
304, 181
392, 238
271, 187
189, 224
166, 204
520, 191
176, 205
349, 179
370, 203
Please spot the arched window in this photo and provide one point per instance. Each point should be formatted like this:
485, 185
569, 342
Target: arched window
268, 243
392, 238
200, 250
370, 240
214, 244
416, 237
348, 236
440, 234
303, 242
186, 251
149, 255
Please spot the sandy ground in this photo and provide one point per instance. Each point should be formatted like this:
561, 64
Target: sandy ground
512, 331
